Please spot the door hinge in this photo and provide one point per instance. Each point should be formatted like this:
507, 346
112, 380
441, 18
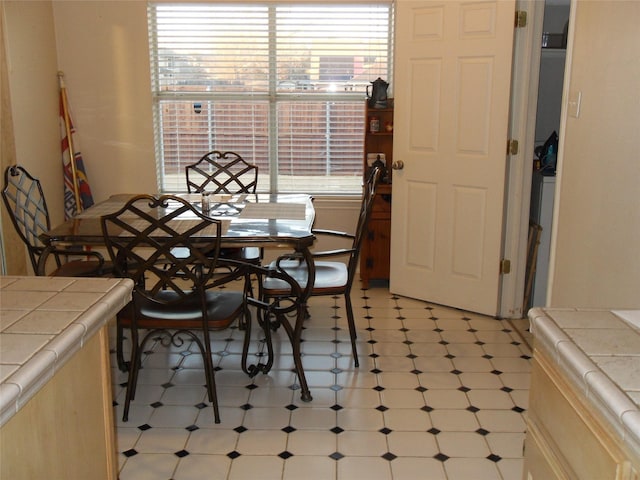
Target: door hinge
512, 147
505, 266
521, 19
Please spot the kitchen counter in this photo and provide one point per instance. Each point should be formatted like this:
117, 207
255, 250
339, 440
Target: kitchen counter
43, 322
590, 362
55, 391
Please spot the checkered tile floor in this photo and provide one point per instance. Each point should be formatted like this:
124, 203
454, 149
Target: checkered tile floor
440, 394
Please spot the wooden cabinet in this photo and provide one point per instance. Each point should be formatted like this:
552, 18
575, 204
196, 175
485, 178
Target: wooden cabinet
566, 437
66, 430
376, 245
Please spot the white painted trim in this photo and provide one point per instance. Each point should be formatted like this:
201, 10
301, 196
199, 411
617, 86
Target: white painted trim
561, 142
524, 97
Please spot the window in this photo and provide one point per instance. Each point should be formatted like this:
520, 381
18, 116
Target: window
283, 85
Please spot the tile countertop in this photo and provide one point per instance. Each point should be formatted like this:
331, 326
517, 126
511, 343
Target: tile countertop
599, 351
43, 322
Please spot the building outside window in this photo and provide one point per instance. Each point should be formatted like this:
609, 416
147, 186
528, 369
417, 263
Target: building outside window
283, 85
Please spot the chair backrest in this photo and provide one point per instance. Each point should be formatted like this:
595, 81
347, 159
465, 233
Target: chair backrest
218, 172
22, 195
164, 245
368, 196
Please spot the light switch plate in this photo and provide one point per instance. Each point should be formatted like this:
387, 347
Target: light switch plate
575, 99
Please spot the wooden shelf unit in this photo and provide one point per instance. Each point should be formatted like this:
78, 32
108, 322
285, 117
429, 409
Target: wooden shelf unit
376, 245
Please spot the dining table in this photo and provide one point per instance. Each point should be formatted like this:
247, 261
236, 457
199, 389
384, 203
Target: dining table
268, 221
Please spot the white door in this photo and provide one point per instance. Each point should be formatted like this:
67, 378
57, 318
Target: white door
452, 83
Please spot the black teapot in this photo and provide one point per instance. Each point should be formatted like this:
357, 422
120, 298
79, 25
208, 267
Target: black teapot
378, 97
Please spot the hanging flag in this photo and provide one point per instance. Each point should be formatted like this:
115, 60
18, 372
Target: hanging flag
77, 192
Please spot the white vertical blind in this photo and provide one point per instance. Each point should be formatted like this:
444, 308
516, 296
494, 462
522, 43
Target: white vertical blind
283, 85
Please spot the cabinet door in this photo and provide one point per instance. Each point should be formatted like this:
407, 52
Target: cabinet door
66, 430
376, 247
536, 466
569, 432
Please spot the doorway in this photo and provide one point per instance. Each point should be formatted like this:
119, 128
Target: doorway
547, 127
522, 128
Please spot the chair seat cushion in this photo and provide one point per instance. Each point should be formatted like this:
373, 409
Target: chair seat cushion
223, 308
329, 276
244, 254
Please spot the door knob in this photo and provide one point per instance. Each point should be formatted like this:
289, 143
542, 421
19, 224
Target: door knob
397, 165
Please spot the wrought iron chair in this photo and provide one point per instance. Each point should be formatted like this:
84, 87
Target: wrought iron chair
219, 172
23, 196
225, 173
331, 277
175, 297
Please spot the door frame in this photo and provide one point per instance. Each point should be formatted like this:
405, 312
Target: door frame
524, 98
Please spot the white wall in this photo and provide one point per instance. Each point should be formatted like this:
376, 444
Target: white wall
597, 231
33, 85
103, 52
